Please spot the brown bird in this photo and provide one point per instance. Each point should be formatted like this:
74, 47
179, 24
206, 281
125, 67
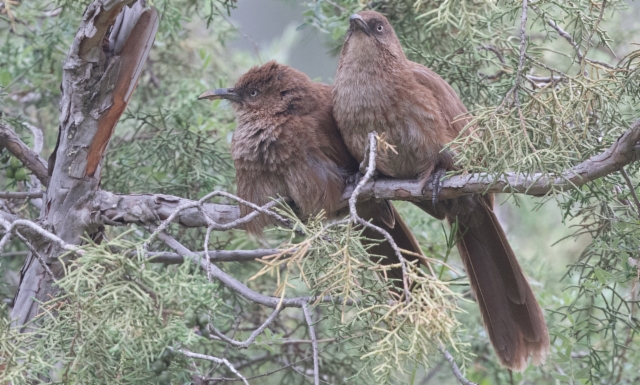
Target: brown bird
287, 144
378, 89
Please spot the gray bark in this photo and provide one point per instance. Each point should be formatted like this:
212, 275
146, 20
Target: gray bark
97, 83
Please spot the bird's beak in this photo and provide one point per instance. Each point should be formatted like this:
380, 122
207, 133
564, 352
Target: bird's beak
357, 21
221, 93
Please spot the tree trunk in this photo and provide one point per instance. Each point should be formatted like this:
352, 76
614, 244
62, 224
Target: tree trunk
100, 74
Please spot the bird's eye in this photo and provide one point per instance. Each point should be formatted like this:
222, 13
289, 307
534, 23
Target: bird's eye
380, 28
253, 93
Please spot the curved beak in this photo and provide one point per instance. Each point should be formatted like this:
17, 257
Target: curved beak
221, 93
358, 22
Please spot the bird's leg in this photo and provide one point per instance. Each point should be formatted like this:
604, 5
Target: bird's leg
435, 181
354, 178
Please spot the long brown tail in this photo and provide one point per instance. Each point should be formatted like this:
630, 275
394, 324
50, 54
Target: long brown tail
384, 215
510, 312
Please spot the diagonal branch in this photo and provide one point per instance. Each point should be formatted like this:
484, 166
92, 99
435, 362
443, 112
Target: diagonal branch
622, 152
252, 337
239, 287
31, 160
454, 367
217, 360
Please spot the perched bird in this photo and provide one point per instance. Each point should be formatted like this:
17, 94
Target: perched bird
378, 89
287, 144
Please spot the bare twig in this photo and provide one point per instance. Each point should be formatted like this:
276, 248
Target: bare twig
216, 255
624, 174
454, 367
523, 46
240, 288
373, 151
218, 379
252, 337
37, 255
20, 195
31, 160
10, 227
217, 360
314, 344
495, 50
562, 33
581, 56
212, 224
38, 137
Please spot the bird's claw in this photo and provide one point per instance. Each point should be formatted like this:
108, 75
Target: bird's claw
436, 184
354, 178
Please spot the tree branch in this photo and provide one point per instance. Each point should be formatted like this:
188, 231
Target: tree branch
353, 199
624, 151
114, 209
239, 287
20, 195
214, 255
454, 367
252, 337
30, 159
217, 360
314, 344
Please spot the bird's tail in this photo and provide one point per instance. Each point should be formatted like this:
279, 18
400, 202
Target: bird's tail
510, 312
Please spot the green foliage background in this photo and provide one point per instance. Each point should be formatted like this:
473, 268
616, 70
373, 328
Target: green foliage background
119, 313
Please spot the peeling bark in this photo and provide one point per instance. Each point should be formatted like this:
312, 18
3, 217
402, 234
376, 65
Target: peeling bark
100, 74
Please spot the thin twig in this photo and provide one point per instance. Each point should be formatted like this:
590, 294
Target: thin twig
314, 345
495, 50
37, 255
217, 360
562, 33
624, 174
252, 337
216, 226
11, 226
581, 56
218, 379
373, 152
242, 289
454, 367
31, 160
21, 195
38, 137
217, 255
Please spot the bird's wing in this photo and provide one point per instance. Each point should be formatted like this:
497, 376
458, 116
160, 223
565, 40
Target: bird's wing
451, 108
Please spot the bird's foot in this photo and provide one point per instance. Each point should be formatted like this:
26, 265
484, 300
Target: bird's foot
354, 178
435, 181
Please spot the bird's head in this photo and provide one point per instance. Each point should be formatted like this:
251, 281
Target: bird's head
370, 35
270, 89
